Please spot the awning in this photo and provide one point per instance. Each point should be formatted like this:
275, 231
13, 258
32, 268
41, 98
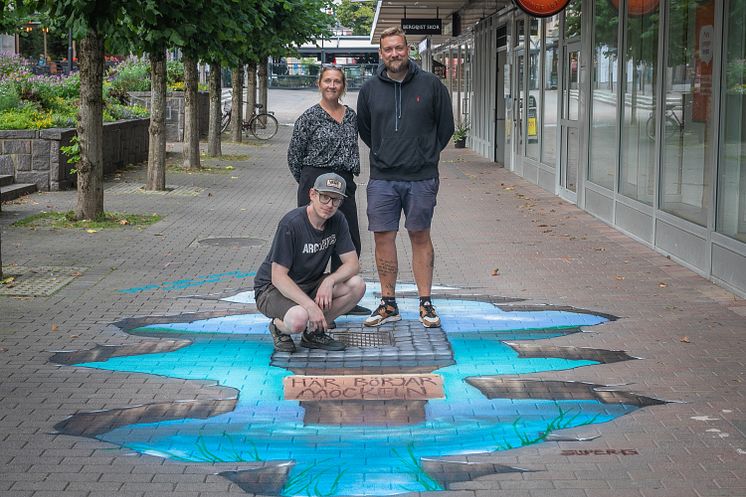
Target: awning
464, 14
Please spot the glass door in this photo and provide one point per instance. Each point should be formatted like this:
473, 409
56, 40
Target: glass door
570, 122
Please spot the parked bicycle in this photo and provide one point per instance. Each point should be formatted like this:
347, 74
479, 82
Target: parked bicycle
672, 125
263, 125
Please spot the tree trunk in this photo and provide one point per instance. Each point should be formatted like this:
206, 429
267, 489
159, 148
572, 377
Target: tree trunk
191, 121
216, 110
157, 130
250, 90
262, 70
90, 203
236, 105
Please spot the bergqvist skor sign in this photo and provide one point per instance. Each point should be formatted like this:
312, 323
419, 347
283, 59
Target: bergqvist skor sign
541, 8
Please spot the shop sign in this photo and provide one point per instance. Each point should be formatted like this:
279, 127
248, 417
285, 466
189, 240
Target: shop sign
422, 26
541, 8
638, 7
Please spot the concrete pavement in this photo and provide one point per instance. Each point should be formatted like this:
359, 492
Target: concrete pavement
499, 241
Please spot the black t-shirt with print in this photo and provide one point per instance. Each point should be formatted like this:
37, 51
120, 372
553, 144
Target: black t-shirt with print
303, 249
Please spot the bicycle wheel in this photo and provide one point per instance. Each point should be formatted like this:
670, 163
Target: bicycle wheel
225, 121
263, 126
673, 128
650, 127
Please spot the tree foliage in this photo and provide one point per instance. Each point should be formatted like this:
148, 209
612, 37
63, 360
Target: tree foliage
357, 16
289, 23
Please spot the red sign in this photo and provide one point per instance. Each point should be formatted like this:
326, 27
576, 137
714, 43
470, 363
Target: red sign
541, 8
638, 7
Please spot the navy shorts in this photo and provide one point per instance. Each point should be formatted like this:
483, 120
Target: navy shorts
387, 199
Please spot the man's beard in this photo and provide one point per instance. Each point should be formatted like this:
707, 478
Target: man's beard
397, 66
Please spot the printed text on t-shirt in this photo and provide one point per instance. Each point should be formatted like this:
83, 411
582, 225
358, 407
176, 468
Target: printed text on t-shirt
312, 248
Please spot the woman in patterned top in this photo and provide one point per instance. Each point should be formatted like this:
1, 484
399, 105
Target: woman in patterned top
325, 140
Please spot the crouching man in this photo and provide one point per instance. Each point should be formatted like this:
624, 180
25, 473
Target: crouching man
291, 287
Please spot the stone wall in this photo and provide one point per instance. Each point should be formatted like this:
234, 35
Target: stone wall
34, 156
175, 112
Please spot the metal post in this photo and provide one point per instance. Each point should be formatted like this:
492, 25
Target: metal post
69, 51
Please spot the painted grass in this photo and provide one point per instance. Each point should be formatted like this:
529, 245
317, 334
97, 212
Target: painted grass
560, 422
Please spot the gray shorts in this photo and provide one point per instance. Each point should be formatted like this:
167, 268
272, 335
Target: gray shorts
387, 199
273, 304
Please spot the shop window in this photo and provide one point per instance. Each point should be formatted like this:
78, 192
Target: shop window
603, 140
731, 211
534, 97
686, 135
573, 18
550, 95
637, 170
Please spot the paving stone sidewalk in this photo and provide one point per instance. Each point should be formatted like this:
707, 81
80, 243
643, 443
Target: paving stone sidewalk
495, 235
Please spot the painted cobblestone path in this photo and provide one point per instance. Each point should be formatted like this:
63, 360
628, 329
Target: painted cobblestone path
386, 454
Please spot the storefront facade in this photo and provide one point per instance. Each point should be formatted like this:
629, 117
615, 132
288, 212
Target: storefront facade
634, 110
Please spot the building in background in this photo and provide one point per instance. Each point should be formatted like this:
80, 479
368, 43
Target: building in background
634, 110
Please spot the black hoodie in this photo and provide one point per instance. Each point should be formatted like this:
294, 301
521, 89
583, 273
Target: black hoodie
406, 124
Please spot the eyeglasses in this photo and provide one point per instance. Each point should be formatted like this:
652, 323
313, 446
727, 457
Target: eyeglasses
325, 199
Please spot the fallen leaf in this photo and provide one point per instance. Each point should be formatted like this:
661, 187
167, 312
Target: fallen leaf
8, 280
684, 340
55, 327
123, 222
91, 231
230, 168
619, 277
76, 274
662, 285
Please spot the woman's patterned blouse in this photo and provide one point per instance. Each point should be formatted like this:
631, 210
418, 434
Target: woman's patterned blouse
320, 141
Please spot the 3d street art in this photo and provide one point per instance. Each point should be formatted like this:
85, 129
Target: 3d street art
403, 409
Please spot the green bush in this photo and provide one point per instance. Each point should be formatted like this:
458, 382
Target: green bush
9, 98
37, 102
174, 72
128, 76
12, 65
132, 75
25, 116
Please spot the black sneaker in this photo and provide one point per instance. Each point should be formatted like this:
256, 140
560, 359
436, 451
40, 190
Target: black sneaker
384, 313
428, 316
320, 340
283, 342
358, 310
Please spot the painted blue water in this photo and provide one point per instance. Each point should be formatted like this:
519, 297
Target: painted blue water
358, 460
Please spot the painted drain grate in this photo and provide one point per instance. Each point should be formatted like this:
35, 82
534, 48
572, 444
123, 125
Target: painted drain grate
365, 340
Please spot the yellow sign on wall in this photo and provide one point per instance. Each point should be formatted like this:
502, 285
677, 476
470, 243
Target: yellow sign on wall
531, 126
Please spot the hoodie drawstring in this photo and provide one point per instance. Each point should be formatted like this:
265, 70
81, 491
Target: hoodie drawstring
397, 105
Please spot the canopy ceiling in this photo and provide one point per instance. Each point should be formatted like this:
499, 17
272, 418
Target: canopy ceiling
391, 12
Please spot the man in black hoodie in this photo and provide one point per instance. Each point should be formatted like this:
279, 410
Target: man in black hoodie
405, 117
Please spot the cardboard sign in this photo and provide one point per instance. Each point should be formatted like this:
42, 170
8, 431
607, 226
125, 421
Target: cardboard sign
364, 387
